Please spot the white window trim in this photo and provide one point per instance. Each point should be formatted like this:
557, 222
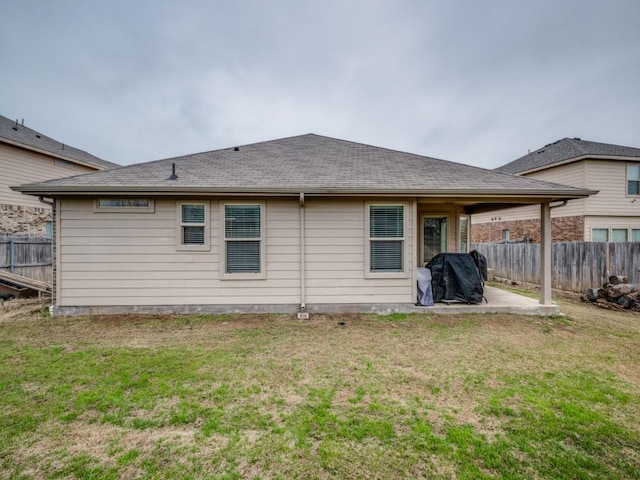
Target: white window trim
207, 227
263, 243
367, 242
626, 183
99, 209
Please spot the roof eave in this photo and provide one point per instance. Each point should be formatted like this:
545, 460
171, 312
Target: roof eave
555, 194
56, 155
577, 159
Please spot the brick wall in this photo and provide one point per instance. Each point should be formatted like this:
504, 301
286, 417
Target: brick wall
563, 229
27, 220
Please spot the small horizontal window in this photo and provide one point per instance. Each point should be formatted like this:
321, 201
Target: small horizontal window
599, 234
619, 234
123, 205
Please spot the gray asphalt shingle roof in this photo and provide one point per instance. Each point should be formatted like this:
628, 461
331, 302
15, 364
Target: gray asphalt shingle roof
16, 133
563, 150
306, 163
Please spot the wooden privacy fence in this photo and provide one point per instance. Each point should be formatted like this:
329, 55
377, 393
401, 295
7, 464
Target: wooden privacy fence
27, 256
575, 266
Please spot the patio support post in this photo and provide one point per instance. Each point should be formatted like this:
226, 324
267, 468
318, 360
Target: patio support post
545, 254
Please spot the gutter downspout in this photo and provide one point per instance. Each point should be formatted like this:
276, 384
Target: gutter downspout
303, 314
46, 202
51, 203
563, 204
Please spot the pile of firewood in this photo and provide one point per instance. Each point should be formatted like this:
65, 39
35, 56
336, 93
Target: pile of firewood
616, 294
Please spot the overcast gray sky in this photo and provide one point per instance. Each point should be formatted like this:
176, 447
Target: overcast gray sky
473, 81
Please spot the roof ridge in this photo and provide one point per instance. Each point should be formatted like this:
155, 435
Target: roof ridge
563, 150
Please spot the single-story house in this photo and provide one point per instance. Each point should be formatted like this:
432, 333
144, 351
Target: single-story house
612, 215
28, 156
307, 223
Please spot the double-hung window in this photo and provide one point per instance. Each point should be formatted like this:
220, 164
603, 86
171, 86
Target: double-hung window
385, 241
633, 179
243, 240
193, 226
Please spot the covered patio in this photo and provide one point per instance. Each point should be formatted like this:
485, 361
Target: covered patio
456, 216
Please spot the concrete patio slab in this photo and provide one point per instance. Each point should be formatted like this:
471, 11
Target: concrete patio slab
498, 301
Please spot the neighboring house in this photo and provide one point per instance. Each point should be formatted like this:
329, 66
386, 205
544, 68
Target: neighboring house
302, 223
611, 215
27, 156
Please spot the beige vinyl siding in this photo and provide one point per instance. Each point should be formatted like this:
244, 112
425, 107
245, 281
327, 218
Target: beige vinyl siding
508, 214
610, 178
573, 174
526, 213
20, 166
335, 254
131, 259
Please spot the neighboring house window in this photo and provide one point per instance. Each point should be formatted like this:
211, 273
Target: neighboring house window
123, 205
619, 234
48, 229
635, 234
599, 234
385, 239
193, 226
633, 179
506, 235
243, 240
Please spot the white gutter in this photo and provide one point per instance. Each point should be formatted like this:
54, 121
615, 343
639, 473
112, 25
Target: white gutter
550, 194
303, 279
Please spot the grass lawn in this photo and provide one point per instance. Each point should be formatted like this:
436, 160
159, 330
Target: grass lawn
401, 396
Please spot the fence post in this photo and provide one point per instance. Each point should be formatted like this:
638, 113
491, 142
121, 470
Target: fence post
12, 255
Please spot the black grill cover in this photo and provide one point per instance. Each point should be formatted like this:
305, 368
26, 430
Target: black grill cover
455, 278
481, 262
